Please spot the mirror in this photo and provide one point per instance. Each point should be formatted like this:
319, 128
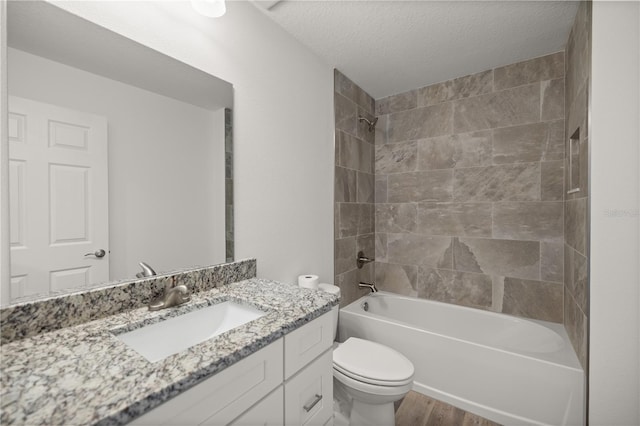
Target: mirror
118, 154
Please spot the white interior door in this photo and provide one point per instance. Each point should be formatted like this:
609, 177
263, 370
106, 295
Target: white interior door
58, 198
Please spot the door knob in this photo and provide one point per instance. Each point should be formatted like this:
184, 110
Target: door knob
98, 253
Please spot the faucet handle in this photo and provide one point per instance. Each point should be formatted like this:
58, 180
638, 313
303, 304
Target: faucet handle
361, 259
147, 271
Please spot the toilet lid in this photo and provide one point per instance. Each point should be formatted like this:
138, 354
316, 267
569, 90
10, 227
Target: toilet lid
372, 362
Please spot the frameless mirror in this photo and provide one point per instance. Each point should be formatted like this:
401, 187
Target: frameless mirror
118, 154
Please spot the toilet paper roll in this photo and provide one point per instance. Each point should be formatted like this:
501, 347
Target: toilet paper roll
329, 288
308, 281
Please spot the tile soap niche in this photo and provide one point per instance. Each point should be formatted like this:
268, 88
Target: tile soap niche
574, 162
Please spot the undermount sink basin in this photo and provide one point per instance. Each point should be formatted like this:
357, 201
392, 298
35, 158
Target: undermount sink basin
158, 341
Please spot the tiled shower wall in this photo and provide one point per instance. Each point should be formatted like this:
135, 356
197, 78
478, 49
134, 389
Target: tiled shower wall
469, 190
576, 224
354, 223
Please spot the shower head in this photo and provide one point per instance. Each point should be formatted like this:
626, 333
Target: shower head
371, 124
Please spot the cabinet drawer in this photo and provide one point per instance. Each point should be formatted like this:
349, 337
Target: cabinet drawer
268, 412
304, 344
309, 394
224, 396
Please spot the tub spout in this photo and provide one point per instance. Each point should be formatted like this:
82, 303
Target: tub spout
370, 286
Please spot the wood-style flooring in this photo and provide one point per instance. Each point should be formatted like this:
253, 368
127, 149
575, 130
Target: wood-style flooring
420, 410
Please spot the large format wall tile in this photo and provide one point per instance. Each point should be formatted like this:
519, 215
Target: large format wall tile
380, 136
537, 221
552, 99
400, 279
463, 87
396, 157
396, 217
461, 219
420, 123
381, 189
397, 103
345, 111
533, 299
435, 185
354, 153
575, 322
365, 187
529, 143
461, 288
381, 247
575, 224
345, 188
517, 182
412, 249
511, 258
461, 150
348, 218
578, 52
577, 278
538, 69
552, 180
344, 258
552, 261
498, 109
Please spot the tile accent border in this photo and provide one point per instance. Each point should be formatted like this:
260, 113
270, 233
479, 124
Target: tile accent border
31, 318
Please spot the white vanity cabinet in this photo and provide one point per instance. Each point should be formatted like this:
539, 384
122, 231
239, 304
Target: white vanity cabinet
289, 382
308, 370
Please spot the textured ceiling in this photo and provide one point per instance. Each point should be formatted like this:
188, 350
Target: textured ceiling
389, 47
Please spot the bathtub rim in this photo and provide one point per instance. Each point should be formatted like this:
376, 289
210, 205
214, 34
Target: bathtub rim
565, 357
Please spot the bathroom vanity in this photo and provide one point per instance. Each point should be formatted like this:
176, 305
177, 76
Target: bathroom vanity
262, 389
276, 369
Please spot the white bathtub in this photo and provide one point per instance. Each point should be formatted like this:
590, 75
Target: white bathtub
509, 370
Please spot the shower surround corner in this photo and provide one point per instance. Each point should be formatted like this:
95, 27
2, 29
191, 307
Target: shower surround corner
459, 191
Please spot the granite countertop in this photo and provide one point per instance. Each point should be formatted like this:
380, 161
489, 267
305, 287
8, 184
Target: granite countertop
84, 375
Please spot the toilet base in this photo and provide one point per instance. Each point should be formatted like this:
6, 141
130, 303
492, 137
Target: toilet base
350, 412
370, 414
364, 414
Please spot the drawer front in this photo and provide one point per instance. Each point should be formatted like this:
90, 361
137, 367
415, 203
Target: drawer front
309, 394
224, 396
268, 412
304, 344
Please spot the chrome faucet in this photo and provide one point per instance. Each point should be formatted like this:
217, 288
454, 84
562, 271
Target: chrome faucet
173, 296
147, 271
370, 286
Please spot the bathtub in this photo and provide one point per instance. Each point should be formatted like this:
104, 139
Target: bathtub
509, 370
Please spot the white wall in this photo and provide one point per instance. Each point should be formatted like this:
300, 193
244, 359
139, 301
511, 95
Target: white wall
283, 123
166, 165
614, 373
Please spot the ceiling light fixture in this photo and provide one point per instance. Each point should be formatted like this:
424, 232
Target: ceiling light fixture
209, 8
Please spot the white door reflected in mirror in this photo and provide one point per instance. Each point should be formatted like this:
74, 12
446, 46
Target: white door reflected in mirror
59, 198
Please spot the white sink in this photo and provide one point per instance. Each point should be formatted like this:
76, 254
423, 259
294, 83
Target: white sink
158, 341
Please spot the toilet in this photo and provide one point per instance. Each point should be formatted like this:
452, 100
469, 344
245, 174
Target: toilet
367, 379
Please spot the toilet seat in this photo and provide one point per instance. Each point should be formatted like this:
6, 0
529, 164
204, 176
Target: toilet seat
372, 363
